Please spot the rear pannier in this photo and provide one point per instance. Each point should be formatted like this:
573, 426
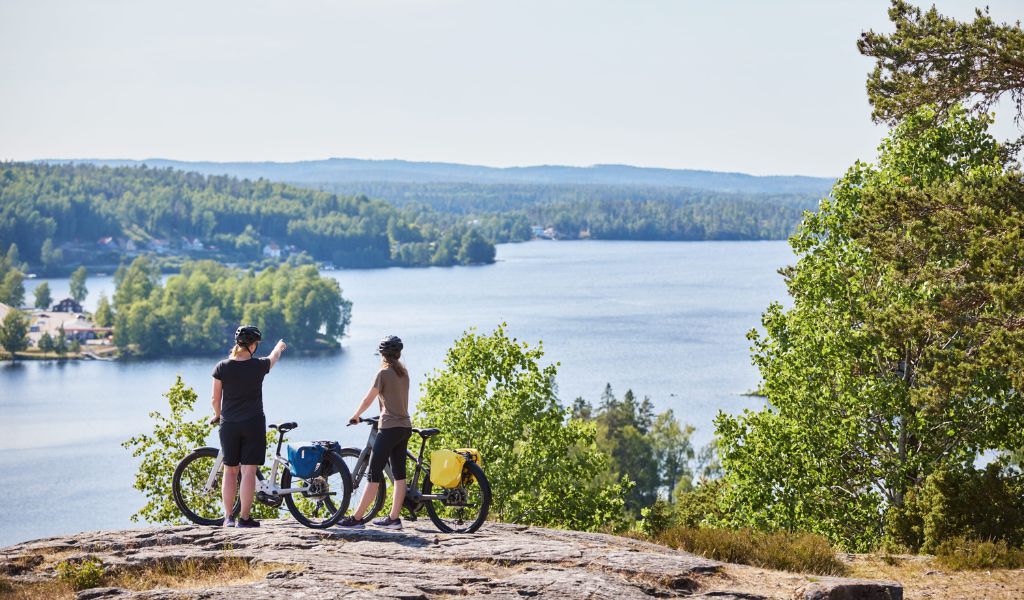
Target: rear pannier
446, 468
304, 460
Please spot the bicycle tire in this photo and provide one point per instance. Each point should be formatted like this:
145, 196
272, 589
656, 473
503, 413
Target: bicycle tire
333, 464
210, 516
436, 507
378, 503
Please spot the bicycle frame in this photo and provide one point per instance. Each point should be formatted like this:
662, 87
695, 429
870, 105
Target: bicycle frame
267, 486
412, 489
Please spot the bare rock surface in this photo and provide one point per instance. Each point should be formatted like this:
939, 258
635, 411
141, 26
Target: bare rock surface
500, 562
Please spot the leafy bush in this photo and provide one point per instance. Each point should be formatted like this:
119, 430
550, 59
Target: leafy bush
964, 554
543, 466
960, 501
655, 518
173, 438
81, 575
796, 552
701, 506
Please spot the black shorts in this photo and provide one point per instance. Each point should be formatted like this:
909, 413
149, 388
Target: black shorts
390, 447
244, 442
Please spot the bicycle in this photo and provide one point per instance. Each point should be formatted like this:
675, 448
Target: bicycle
314, 501
461, 509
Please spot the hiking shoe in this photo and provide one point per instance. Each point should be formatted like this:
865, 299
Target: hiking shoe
229, 521
250, 522
350, 522
388, 523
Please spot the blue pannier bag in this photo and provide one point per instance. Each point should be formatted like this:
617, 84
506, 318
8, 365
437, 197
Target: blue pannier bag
304, 460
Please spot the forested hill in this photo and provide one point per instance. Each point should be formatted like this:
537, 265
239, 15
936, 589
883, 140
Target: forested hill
68, 214
350, 170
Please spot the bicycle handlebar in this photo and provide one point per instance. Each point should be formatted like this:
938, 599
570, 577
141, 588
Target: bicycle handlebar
367, 420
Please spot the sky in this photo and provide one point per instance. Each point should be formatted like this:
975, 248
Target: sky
734, 85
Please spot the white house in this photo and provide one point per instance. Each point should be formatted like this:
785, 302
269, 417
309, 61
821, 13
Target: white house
272, 250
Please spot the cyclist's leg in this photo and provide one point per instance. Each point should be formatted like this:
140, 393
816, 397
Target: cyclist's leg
378, 458
253, 455
397, 459
231, 446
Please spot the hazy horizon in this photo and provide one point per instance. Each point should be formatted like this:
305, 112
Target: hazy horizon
740, 87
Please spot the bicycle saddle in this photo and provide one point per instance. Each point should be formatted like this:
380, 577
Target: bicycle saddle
427, 432
284, 427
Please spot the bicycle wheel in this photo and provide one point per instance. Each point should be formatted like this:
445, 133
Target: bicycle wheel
360, 479
200, 505
325, 497
465, 508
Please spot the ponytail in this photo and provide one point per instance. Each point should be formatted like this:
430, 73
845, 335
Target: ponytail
237, 350
391, 361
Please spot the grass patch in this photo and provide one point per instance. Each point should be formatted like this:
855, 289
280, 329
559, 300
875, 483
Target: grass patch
784, 551
963, 554
72, 576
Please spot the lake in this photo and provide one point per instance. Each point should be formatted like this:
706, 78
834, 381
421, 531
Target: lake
665, 319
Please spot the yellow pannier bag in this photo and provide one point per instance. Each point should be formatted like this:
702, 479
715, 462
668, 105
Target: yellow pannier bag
446, 468
474, 455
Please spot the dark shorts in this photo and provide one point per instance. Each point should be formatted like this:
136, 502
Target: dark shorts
244, 442
389, 446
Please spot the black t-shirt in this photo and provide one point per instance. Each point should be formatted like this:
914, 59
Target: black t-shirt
242, 382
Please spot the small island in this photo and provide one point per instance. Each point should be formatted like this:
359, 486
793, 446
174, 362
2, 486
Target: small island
195, 312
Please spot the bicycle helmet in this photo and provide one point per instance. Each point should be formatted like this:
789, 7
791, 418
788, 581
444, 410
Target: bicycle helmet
391, 344
247, 334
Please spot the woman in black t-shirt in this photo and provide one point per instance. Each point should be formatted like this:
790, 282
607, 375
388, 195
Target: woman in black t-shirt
238, 407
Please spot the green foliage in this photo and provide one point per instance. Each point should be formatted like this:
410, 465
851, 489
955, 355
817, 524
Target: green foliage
903, 348
961, 554
543, 466
174, 436
12, 288
60, 342
505, 212
935, 60
784, 551
960, 501
703, 506
43, 297
161, 209
81, 575
46, 342
653, 451
655, 518
197, 310
78, 289
14, 332
50, 256
104, 315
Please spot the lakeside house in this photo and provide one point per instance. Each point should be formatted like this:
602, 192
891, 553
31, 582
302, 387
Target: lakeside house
77, 326
67, 305
272, 250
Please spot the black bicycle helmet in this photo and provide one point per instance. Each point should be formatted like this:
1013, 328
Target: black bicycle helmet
247, 334
391, 344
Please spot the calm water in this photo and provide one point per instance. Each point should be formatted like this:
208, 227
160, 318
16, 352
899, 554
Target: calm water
665, 319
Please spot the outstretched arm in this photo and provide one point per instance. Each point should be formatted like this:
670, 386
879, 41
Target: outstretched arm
275, 354
365, 404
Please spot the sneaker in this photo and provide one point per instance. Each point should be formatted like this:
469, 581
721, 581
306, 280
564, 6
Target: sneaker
229, 521
350, 522
388, 523
250, 522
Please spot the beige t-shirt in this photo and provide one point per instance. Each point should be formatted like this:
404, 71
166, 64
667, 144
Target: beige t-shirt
393, 396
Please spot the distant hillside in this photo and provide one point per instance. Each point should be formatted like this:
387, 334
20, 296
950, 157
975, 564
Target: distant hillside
63, 215
349, 170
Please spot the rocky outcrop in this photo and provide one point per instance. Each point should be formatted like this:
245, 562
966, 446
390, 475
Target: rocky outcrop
499, 562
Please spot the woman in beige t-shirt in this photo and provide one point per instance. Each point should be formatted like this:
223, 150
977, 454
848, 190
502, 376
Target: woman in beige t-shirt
391, 389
